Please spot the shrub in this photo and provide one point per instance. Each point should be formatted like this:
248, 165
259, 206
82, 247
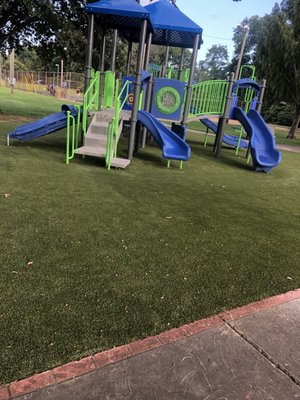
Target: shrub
280, 114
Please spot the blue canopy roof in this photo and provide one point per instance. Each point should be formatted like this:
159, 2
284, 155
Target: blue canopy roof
119, 14
171, 26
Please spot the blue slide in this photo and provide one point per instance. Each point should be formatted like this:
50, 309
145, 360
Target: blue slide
173, 147
263, 150
49, 124
228, 139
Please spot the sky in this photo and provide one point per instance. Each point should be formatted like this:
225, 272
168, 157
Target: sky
218, 18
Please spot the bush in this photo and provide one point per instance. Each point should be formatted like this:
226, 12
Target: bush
281, 114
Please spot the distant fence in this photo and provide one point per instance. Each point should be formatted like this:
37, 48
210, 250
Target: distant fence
69, 85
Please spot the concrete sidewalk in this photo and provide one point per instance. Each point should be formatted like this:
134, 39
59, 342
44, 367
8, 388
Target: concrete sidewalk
249, 353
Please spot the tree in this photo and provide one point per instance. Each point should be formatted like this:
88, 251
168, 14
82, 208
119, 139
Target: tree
278, 56
255, 25
216, 61
28, 59
25, 22
54, 29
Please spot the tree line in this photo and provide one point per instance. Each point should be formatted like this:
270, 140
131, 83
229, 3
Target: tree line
45, 31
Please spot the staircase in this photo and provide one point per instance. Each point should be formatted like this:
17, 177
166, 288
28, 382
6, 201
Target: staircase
96, 138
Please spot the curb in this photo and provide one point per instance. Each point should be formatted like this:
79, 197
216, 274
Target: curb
91, 363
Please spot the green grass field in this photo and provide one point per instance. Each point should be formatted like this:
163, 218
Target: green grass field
92, 260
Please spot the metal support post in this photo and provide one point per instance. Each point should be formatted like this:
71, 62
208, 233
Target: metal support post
180, 69
12, 70
102, 67
224, 118
89, 55
147, 108
0, 70
149, 87
246, 33
148, 51
61, 73
190, 82
165, 66
137, 89
129, 56
114, 50
261, 96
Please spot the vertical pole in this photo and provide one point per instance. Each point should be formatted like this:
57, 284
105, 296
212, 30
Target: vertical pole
89, 55
61, 73
129, 56
164, 69
261, 96
57, 76
147, 107
0, 70
137, 89
190, 82
181, 64
223, 119
102, 66
148, 51
114, 50
69, 77
246, 32
12, 70
149, 86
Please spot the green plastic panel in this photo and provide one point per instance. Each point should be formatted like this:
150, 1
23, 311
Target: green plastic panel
109, 89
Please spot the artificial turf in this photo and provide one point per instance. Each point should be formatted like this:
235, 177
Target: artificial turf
91, 259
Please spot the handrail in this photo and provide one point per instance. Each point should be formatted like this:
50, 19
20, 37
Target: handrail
69, 119
109, 143
113, 129
72, 121
208, 97
91, 98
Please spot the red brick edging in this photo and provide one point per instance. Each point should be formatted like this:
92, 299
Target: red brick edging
88, 364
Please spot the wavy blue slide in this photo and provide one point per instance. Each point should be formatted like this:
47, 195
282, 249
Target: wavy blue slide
263, 150
173, 147
44, 126
227, 139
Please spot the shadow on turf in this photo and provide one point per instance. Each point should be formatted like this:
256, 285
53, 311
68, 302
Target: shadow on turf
227, 157
56, 143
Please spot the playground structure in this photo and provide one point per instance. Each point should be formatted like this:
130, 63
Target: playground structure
137, 102
246, 71
142, 102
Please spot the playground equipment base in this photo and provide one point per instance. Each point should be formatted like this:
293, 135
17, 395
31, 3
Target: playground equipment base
96, 138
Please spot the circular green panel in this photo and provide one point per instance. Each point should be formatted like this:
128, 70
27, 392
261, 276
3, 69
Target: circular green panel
167, 100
